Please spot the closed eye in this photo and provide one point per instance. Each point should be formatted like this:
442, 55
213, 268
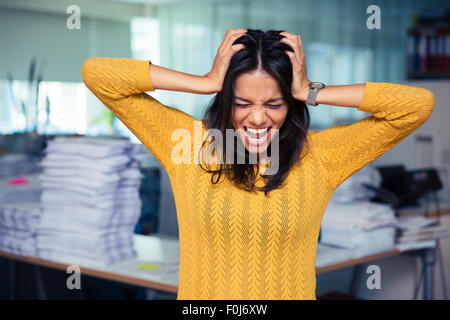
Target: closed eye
268, 105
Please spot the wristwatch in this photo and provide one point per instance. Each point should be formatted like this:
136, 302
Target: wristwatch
314, 88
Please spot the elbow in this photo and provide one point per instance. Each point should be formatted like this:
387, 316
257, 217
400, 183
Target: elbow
428, 102
95, 75
86, 71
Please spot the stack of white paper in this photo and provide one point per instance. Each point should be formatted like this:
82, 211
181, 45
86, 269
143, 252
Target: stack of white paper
90, 200
26, 188
352, 188
19, 213
364, 227
414, 222
326, 255
18, 223
14, 164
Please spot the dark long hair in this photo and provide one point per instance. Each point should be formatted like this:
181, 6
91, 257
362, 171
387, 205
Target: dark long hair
262, 50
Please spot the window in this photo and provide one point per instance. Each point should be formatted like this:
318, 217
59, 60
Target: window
72, 108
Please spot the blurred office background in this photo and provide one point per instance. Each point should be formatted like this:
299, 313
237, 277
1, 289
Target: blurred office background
412, 47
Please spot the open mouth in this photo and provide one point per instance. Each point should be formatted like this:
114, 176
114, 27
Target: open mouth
257, 136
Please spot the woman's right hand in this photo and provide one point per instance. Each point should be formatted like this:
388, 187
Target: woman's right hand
221, 61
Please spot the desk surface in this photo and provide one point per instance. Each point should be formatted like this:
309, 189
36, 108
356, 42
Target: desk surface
150, 249
165, 252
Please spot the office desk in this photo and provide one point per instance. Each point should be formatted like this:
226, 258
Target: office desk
165, 251
150, 249
427, 255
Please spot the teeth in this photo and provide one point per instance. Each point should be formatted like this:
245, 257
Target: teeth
257, 130
257, 136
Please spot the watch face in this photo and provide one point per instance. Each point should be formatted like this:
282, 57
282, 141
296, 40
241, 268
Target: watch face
317, 85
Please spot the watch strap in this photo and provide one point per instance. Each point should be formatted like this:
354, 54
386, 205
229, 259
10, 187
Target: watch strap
312, 94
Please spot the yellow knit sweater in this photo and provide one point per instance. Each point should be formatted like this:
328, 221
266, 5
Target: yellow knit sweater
236, 244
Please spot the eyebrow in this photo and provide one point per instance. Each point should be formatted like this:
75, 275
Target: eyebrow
271, 100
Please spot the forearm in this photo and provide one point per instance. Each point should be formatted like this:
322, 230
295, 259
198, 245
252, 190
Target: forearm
167, 79
342, 95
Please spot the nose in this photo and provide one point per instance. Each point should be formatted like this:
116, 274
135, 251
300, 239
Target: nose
257, 116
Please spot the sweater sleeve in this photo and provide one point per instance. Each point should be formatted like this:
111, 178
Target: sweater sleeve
121, 83
396, 111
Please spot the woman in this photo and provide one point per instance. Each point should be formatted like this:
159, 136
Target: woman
254, 236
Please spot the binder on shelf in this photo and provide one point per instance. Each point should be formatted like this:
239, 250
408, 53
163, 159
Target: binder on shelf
446, 57
428, 52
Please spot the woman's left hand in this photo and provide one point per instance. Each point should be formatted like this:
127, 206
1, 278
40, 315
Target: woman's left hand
300, 82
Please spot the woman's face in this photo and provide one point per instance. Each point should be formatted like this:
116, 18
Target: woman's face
259, 107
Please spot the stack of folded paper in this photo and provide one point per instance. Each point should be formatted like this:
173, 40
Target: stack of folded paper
419, 228
90, 200
326, 255
18, 223
19, 213
362, 226
15, 189
352, 188
14, 164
